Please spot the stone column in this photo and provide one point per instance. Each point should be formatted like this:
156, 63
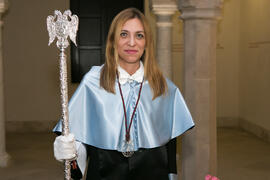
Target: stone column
3, 155
164, 9
199, 151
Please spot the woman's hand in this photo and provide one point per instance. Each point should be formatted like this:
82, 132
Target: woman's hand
64, 148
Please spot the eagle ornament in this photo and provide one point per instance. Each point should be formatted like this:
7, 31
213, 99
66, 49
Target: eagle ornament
61, 26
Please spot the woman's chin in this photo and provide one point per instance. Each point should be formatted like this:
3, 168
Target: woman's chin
130, 61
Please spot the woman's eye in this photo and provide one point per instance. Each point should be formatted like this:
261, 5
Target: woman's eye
140, 36
123, 34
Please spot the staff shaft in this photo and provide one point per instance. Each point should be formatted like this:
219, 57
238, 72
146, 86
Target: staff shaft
64, 104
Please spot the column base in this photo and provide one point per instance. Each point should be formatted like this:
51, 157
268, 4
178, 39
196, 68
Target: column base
4, 159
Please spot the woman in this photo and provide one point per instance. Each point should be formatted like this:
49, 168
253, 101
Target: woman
125, 115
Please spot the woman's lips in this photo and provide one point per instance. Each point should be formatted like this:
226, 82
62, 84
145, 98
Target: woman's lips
131, 51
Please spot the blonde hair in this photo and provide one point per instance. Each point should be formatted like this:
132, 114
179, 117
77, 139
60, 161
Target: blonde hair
151, 71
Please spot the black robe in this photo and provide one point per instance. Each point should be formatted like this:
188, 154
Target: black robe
144, 164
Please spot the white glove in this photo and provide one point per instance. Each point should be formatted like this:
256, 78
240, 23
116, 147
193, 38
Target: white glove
64, 148
173, 176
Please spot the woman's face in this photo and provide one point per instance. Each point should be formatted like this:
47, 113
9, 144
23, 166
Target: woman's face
131, 43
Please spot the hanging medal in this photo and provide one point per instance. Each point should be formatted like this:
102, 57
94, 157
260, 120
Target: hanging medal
128, 146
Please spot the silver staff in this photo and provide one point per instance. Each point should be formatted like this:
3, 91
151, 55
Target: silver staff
61, 26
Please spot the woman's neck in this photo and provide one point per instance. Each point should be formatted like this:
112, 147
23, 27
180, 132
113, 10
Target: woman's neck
130, 68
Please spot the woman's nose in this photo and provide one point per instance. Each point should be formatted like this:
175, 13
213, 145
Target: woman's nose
131, 41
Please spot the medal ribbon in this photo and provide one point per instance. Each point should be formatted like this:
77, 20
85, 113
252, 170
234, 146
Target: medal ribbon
123, 102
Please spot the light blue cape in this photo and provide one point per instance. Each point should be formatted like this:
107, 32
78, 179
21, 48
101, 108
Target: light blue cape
96, 117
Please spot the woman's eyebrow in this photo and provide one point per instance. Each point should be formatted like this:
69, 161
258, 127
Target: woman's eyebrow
123, 30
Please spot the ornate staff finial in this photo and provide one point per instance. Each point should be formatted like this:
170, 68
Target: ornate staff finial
61, 26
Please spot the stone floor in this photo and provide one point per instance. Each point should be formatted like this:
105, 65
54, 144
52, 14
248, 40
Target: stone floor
241, 156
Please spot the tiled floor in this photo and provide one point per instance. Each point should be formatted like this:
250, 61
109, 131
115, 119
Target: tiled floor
241, 156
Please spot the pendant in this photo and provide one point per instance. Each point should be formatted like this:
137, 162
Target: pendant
128, 148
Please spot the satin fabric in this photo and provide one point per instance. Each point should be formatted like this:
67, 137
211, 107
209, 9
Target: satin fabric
96, 116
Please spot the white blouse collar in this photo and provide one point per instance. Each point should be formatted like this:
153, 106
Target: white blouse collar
125, 77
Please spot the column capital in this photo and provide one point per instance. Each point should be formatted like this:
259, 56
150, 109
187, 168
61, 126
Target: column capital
200, 3
200, 9
3, 6
163, 7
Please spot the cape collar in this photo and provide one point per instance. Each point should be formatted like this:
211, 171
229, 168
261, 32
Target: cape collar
125, 77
